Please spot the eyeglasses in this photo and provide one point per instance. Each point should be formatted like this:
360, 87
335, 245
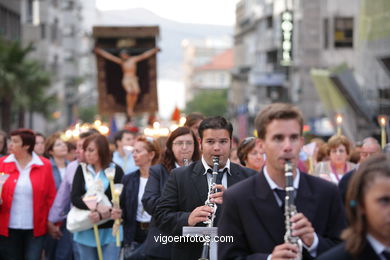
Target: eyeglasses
182, 143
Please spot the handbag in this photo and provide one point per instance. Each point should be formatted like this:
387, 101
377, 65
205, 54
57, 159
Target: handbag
78, 219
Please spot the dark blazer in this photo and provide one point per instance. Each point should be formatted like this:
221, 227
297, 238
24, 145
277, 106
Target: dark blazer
343, 184
252, 216
340, 253
186, 189
129, 204
78, 191
158, 175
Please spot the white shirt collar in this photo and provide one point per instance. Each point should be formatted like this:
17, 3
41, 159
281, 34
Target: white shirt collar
206, 166
376, 245
273, 185
34, 160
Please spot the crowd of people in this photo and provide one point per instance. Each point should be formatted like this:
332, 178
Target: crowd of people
97, 198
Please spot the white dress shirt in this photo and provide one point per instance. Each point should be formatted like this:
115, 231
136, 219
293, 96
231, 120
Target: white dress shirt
21, 215
313, 249
377, 246
209, 176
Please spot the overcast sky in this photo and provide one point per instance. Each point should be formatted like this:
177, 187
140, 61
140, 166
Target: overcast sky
221, 12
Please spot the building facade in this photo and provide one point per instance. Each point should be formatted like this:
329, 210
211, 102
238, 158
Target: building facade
279, 43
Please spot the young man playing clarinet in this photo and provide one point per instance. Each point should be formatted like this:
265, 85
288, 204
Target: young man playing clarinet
183, 199
254, 211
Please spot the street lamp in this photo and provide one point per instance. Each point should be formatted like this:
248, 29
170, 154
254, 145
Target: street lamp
339, 121
382, 120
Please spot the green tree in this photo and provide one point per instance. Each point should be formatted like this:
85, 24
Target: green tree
88, 113
23, 84
209, 103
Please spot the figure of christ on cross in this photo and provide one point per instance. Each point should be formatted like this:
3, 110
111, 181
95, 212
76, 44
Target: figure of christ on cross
129, 68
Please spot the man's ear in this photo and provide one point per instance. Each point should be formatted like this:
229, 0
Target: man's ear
200, 143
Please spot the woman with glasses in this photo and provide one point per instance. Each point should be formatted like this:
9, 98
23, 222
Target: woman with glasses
181, 149
250, 154
338, 150
135, 219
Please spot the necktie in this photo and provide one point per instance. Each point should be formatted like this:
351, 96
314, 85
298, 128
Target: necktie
386, 254
282, 195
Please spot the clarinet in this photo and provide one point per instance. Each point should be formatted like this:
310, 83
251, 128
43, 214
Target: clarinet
290, 210
213, 205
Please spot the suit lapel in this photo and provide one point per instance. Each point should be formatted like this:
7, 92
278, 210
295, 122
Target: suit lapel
200, 181
368, 252
233, 177
269, 212
305, 200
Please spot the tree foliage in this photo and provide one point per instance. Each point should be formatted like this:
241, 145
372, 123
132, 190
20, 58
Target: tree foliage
23, 84
209, 103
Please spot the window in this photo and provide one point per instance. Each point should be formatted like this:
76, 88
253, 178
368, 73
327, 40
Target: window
326, 33
269, 23
343, 32
54, 31
43, 31
29, 14
272, 57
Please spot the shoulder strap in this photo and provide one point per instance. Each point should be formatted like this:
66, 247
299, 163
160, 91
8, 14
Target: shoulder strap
87, 176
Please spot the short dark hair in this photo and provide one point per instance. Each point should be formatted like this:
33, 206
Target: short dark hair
28, 138
215, 122
119, 135
193, 118
274, 111
102, 147
168, 159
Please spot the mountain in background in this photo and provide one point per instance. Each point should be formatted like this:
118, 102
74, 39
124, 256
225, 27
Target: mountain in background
172, 34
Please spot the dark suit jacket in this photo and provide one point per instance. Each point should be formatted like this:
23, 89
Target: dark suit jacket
129, 204
339, 253
186, 189
158, 175
343, 184
252, 216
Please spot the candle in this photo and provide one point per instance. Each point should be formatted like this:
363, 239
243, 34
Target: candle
339, 121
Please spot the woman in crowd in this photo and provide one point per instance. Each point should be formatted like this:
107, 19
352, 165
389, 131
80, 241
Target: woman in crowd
368, 212
193, 121
3, 143
135, 219
39, 147
333, 170
26, 198
98, 159
250, 154
181, 149
57, 151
